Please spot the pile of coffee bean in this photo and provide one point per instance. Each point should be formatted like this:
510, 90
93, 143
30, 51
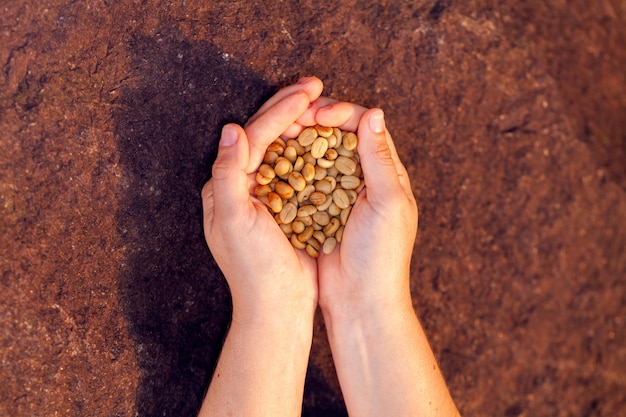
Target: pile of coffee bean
310, 184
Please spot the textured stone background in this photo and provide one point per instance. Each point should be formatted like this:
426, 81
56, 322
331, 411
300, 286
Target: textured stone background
509, 115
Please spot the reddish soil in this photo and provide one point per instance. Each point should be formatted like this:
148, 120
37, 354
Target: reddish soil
509, 116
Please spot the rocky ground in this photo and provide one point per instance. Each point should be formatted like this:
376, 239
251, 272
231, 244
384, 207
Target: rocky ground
509, 116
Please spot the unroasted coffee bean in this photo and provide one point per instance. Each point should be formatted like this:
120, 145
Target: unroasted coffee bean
318, 198
312, 252
284, 190
324, 131
349, 141
319, 148
345, 165
283, 166
275, 202
310, 184
329, 245
350, 182
341, 199
297, 181
307, 136
288, 213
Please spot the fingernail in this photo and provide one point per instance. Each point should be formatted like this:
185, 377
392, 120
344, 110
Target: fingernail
377, 121
304, 80
229, 136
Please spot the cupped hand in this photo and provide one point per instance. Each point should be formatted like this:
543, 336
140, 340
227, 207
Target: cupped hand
266, 275
371, 264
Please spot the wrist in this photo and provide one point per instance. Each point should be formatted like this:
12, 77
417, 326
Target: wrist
263, 316
371, 311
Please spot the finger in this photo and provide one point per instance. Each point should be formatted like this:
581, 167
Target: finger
293, 131
379, 167
308, 118
271, 124
403, 175
345, 116
229, 181
312, 86
208, 205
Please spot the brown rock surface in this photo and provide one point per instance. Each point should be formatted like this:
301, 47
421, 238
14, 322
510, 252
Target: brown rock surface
509, 116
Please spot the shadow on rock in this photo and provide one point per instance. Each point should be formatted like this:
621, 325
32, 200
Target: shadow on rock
174, 296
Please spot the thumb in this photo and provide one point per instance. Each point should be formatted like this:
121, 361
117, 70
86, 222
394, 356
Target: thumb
229, 178
377, 161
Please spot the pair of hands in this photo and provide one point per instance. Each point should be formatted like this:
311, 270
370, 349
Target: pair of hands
266, 275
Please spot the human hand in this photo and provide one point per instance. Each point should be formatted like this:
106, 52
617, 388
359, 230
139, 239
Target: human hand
266, 275
372, 262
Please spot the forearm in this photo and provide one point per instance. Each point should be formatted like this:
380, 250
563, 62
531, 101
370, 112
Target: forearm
262, 368
384, 362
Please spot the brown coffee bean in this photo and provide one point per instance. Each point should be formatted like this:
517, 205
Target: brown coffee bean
332, 227
283, 166
288, 213
299, 164
308, 172
324, 207
333, 210
307, 136
343, 217
319, 236
306, 192
276, 148
329, 245
352, 195
344, 152
297, 227
339, 234
350, 182
332, 141
280, 141
286, 228
296, 243
305, 220
284, 190
307, 210
320, 173
270, 158
314, 242
322, 218
290, 153
339, 135
341, 198
349, 141
297, 181
275, 202
324, 131
325, 163
331, 154
319, 148
324, 186
306, 235
318, 198
265, 174
332, 172
345, 165
262, 190
261, 180
308, 159
312, 252
299, 148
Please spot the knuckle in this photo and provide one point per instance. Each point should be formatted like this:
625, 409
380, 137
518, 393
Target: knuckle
382, 153
220, 171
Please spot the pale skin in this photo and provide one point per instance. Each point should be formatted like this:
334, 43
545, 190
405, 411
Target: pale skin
383, 360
